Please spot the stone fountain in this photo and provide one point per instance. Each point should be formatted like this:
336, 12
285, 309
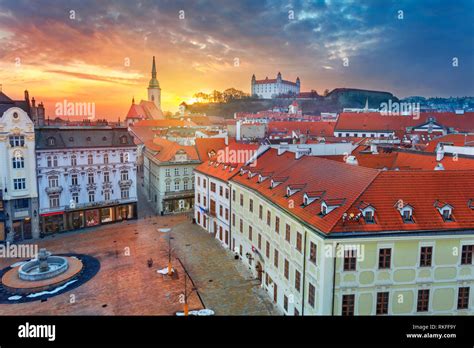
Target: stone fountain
44, 267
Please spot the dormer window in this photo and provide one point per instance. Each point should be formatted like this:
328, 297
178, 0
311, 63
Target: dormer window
292, 189
406, 211
367, 212
329, 205
310, 197
51, 141
445, 210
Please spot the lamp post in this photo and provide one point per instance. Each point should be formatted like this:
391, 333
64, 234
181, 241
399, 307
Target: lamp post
168, 231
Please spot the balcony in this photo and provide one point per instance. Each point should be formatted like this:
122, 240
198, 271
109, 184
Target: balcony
54, 190
125, 183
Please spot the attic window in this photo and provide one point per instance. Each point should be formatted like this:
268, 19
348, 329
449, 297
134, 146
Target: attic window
104, 139
123, 139
445, 210
367, 212
329, 205
51, 141
71, 139
369, 216
88, 138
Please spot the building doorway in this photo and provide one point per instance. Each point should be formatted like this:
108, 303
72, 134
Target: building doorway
259, 270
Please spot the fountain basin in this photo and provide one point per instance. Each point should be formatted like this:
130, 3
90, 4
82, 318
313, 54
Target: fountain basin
31, 270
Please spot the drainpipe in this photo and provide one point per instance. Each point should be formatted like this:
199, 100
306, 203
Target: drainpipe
230, 218
304, 273
334, 279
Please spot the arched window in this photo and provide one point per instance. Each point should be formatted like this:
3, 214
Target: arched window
55, 161
18, 160
51, 141
123, 139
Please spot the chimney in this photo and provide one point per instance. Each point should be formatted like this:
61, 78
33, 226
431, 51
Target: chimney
439, 153
373, 148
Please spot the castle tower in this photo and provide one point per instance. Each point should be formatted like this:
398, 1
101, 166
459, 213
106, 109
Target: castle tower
252, 87
154, 90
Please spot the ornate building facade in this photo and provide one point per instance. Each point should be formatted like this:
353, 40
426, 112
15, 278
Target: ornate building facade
86, 177
17, 174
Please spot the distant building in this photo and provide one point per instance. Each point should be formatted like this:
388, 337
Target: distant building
271, 88
35, 111
86, 177
168, 177
17, 174
147, 109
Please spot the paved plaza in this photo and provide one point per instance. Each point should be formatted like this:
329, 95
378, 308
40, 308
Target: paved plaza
125, 285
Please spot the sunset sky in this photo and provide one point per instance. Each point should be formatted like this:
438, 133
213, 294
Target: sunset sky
84, 59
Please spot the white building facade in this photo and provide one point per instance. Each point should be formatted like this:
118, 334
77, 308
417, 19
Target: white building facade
17, 176
87, 176
270, 88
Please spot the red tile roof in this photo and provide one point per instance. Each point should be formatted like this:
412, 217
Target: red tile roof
223, 168
164, 123
312, 128
374, 121
451, 139
421, 190
205, 146
355, 187
164, 150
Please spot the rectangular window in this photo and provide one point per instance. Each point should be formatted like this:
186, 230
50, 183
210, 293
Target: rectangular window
382, 303
221, 191
17, 140
250, 233
176, 172
241, 226
124, 193
350, 259
313, 251
19, 184
297, 280
241, 200
213, 187
286, 269
277, 224
251, 205
426, 254
199, 180
269, 218
423, 300
167, 172
91, 196
90, 178
221, 211
299, 242
288, 233
348, 305
233, 220
267, 251
106, 177
311, 294
212, 207
466, 256
233, 195
227, 193
260, 212
124, 175
199, 198
285, 303
385, 256
54, 201
275, 258
106, 196
75, 197
259, 241
463, 298
226, 213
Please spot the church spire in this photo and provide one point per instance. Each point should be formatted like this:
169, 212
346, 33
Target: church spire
153, 69
153, 82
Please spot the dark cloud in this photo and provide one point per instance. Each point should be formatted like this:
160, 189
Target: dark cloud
408, 56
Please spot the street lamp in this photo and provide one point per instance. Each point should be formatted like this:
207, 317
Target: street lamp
168, 230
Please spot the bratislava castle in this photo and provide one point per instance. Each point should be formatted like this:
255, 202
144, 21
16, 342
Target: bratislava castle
269, 88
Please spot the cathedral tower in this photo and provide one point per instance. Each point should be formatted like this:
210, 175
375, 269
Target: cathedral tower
154, 90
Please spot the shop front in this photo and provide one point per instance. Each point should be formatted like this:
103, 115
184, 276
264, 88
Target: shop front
178, 204
87, 217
